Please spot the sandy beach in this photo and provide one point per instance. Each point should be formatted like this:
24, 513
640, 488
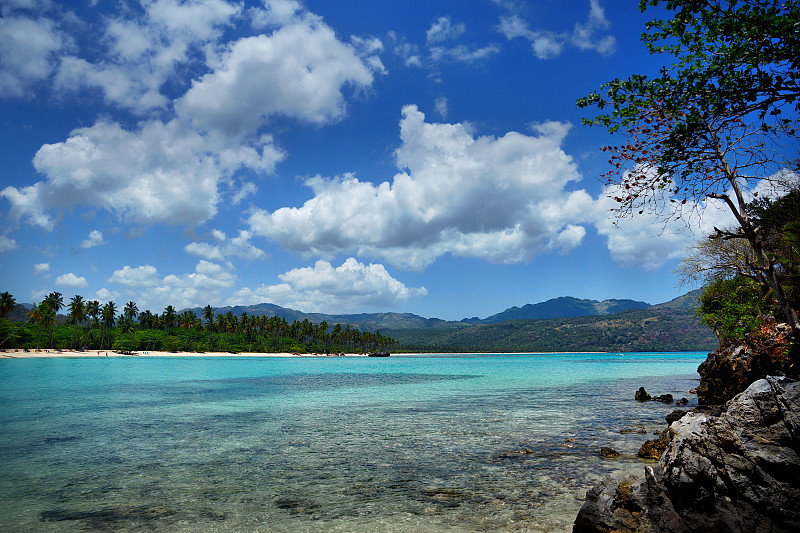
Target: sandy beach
22, 354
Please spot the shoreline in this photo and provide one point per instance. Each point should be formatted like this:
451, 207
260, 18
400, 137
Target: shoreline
44, 354
55, 353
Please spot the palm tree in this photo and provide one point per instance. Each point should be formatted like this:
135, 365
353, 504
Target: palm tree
93, 311
77, 314
188, 320
7, 304
108, 314
169, 317
47, 318
35, 316
130, 311
56, 302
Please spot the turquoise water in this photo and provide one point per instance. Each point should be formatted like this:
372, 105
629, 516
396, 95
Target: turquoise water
400, 444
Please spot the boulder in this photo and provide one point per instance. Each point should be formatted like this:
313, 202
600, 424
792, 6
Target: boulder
731, 368
664, 398
641, 395
736, 472
652, 449
675, 415
608, 452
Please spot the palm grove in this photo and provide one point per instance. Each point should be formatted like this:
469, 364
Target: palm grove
719, 120
92, 325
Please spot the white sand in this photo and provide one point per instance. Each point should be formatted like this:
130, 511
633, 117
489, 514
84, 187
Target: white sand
10, 354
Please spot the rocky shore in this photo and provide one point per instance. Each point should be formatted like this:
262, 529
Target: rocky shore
730, 465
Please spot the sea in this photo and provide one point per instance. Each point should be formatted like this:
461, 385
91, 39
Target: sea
408, 443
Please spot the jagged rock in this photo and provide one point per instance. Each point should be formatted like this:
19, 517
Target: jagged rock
682, 401
652, 449
641, 395
730, 369
736, 472
608, 452
664, 398
675, 415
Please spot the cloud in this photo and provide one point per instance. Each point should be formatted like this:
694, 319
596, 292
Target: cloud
178, 170
434, 52
547, 44
142, 53
440, 107
224, 248
105, 295
199, 288
27, 53
95, 239
652, 238
500, 199
7, 243
325, 288
155, 173
71, 280
141, 276
443, 29
41, 268
299, 71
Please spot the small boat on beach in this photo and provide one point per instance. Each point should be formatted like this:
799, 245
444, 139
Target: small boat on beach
378, 354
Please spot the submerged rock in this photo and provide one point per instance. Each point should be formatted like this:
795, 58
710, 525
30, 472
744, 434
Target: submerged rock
736, 472
664, 398
605, 451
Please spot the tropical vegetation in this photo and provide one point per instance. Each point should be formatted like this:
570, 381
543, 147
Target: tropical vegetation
88, 325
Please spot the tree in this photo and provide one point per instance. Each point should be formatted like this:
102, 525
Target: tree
7, 304
77, 314
55, 302
710, 125
108, 314
169, 317
208, 316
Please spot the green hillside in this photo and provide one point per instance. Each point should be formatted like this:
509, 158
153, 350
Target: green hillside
672, 326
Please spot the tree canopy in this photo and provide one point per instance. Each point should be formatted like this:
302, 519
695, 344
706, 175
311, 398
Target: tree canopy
720, 117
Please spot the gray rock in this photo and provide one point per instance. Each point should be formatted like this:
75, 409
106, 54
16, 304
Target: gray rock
736, 472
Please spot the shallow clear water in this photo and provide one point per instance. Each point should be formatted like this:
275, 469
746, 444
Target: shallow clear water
408, 443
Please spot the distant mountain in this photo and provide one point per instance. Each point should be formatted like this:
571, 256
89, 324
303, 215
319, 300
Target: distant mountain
671, 326
364, 321
563, 307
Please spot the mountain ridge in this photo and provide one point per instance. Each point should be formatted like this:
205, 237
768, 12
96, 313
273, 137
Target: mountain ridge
561, 307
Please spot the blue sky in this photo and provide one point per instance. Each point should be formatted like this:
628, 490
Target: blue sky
338, 157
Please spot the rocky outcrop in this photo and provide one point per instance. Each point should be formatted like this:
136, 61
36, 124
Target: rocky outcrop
730, 369
736, 472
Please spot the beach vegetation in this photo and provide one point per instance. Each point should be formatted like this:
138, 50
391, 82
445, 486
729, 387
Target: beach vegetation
172, 331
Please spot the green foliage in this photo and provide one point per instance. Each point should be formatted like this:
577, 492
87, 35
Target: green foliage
733, 307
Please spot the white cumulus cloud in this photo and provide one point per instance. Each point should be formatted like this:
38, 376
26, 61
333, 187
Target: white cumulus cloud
300, 70
141, 276
41, 268
325, 288
155, 173
225, 247
71, 280
27, 53
501, 199
95, 238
